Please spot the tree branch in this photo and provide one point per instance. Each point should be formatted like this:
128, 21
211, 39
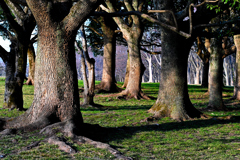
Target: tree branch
17, 11
150, 52
94, 30
165, 11
79, 13
144, 16
16, 27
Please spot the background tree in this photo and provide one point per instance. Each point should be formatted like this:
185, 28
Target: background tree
173, 99
22, 24
132, 31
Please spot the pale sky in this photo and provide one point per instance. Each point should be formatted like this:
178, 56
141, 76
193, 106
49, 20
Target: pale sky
5, 44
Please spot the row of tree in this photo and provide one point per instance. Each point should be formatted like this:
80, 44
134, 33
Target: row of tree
208, 24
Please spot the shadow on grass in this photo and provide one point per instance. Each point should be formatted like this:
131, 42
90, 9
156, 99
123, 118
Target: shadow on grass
112, 108
107, 135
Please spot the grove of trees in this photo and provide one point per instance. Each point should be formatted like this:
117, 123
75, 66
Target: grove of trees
171, 42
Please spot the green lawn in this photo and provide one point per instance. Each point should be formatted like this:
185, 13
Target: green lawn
122, 129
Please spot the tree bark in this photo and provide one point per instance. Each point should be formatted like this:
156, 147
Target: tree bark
205, 73
216, 76
173, 99
56, 97
132, 34
22, 24
237, 81
108, 82
127, 72
133, 88
31, 60
15, 74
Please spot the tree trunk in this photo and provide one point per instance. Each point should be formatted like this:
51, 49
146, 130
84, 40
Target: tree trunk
15, 74
133, 89
237, 81
173, 99
108, 82
197, 78
31, 60
205, 74
150, 69
56, 97
216, 76
127, 72
89, 86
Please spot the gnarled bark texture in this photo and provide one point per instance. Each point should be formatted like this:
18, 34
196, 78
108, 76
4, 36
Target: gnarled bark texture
56, 97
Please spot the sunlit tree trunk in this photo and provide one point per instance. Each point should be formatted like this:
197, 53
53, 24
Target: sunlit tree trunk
108, 82
216, 76
31, 60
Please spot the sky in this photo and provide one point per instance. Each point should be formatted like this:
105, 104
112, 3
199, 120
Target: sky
5, 43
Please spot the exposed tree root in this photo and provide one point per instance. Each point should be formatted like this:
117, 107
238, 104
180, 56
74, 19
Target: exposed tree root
126, 94
104, 88
68, 129
79, 140
29, 81
61, 144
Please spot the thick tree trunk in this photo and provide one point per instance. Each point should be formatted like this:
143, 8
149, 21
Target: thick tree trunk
237, 81
216, 76
15, 74
133, 88
108, 83
205, 74
31, 60
173, 99
56, 89
56, 97
127, 72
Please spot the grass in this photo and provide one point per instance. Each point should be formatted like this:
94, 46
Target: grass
122, 129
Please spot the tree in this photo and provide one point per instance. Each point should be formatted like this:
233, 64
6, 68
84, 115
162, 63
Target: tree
237, 82
216, 76
173, 99
56, 97
132, 30
108, 82
22, 23
89, 83
31, 60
